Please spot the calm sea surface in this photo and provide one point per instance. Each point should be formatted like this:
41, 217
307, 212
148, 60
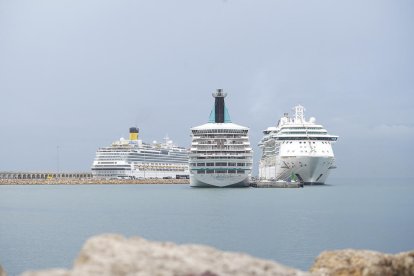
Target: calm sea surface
45, 226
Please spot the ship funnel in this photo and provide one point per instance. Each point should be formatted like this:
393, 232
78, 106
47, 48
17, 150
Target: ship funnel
133, 133
219, 108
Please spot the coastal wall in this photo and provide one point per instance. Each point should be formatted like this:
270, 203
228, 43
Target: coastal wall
89, 181
116, 255
43, 175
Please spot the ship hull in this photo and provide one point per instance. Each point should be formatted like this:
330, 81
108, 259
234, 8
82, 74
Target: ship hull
219, 180
310, 170
135, 174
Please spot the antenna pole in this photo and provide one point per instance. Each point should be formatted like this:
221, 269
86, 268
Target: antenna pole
57, 159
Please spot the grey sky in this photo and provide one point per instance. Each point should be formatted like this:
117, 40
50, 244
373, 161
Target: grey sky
78, 74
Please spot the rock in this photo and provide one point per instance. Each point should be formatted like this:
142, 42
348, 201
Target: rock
2, 272
116, 255
53, 272
363, 262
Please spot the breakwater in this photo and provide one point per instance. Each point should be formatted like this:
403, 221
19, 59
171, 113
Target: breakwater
89, 181
43, 175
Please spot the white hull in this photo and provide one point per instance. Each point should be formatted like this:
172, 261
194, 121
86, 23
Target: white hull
133, 159
136, 174
297, 148
224, 180
309, 169
220, 153
139, 171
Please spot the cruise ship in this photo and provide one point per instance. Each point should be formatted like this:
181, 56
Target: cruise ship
297, 148
133, 159
220, 154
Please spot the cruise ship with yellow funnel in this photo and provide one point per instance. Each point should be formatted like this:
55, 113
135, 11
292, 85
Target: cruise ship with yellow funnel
134, 159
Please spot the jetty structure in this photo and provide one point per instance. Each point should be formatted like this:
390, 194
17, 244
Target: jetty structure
220, 154
45, 175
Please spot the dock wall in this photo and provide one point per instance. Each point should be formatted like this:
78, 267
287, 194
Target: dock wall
75, 178
43, 175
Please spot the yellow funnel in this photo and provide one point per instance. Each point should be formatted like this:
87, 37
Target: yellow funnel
133, 133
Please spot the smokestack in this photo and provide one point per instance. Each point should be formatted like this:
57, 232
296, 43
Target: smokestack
133, 133
219, 96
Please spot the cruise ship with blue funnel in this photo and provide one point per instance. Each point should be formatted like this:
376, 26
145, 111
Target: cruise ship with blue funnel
220, 154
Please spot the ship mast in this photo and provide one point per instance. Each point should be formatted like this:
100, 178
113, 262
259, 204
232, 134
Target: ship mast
299, 114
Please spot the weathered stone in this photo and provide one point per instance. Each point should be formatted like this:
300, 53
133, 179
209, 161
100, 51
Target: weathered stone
116, 255
51, 272
2, 272
363, 262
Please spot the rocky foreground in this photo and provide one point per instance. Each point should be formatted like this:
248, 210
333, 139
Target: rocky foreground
116, 255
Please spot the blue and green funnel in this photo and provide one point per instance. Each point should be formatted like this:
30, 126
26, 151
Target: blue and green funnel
219, 113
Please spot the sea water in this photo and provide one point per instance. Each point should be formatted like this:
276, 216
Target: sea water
45, 226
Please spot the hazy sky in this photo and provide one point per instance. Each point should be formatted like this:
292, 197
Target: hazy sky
77, 74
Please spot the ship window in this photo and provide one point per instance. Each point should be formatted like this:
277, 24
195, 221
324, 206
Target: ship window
201, 172
240, 171
240, 164
231, 171
200, 164
232, 164
209, 164
221, 164
220, 171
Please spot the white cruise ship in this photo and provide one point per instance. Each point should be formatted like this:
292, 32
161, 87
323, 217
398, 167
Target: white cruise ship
220, 155
297, 148
133, 159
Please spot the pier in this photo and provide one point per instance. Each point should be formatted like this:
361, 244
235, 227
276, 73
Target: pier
45, 175
276, 184
74, 178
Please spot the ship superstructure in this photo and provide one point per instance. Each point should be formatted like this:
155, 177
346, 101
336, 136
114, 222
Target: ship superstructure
134, 159
220, 155
297, 148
